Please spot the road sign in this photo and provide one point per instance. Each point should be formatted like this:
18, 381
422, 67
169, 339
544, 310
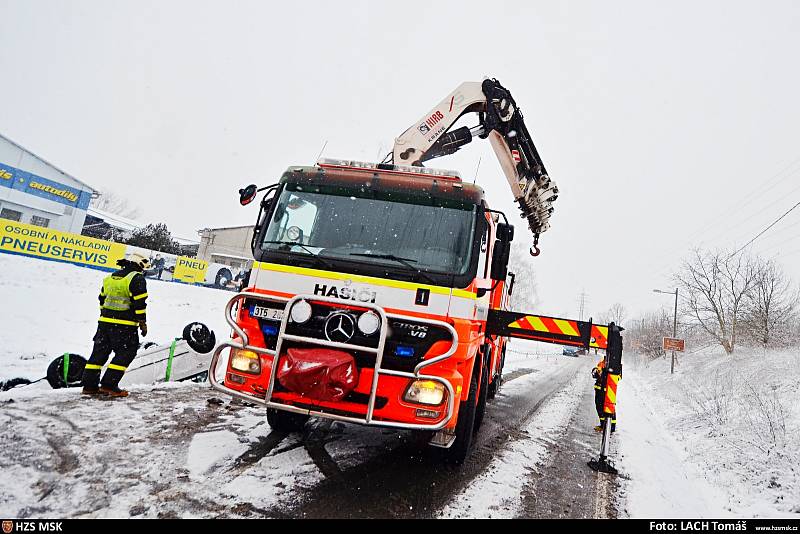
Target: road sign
673, 343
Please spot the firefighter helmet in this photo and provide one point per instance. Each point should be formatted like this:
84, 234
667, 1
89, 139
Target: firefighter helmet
139, 260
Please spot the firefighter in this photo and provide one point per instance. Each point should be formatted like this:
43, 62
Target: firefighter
123, 303
599, 394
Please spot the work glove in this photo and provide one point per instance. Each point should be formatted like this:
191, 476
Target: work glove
143, 328
595, 373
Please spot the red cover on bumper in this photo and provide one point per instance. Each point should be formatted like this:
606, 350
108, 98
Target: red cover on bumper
319, 374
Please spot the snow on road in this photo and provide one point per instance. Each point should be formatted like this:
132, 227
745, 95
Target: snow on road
498, 492
48, 308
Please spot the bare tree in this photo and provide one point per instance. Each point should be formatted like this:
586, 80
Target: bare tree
616, 313
771, 305
645, 335
116, 204
715, 286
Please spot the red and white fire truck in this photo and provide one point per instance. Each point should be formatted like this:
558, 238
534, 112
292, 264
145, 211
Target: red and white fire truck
379, 291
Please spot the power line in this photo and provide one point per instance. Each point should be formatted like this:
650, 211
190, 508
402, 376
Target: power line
776, 221
762, 189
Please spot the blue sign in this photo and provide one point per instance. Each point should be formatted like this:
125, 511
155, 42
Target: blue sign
32, 184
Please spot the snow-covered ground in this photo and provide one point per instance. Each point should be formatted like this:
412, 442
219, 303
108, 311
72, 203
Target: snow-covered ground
49, 308
720, 437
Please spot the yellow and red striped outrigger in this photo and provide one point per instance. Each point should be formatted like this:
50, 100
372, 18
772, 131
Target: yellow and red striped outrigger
567, 332
547, 329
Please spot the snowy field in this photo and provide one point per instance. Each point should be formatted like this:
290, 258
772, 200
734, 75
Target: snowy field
49, 308
719, 438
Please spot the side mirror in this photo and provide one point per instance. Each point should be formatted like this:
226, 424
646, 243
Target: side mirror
505, 232
500, 255
247, 194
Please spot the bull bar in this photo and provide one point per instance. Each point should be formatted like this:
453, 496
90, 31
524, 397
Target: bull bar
378, 370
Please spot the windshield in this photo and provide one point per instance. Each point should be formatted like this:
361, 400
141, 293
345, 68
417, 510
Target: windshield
422, 234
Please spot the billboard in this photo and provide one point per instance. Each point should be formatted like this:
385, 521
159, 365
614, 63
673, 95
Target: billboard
30, 240
55, 245
32, 184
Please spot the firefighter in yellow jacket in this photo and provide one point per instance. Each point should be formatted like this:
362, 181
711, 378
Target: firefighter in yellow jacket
123, 305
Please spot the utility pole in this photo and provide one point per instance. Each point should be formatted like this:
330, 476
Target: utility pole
582, 304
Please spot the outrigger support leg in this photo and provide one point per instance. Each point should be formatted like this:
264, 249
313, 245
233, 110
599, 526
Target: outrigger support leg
601, 464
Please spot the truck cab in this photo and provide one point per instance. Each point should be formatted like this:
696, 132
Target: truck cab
368, 300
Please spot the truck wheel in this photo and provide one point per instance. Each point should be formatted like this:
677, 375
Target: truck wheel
480, 409
459, 450
286, 421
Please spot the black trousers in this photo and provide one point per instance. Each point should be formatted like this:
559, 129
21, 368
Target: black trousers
123, 341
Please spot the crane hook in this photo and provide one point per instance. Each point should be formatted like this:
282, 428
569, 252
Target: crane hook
535, 248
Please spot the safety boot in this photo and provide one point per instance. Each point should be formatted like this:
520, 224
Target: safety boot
113, 392
90, 391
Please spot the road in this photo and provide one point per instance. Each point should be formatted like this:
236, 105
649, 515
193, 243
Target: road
182, 451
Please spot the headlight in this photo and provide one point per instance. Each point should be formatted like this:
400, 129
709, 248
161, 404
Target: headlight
246, 361
369, 323
425, 392
301, 311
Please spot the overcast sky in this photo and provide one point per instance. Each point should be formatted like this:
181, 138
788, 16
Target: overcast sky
666, 125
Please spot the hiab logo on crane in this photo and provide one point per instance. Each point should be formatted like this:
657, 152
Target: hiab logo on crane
430, 122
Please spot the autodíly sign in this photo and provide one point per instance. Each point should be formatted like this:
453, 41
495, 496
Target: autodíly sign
673, 343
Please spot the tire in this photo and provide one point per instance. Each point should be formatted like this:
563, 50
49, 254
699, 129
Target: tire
286, 421
459, 450
55, 372
483, 392
223, 277
199, 337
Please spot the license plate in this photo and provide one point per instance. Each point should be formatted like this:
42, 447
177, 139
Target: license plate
262, 312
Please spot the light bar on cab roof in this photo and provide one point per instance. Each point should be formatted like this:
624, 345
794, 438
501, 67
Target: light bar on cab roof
351, 164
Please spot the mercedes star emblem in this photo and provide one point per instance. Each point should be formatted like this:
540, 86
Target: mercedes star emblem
340, 327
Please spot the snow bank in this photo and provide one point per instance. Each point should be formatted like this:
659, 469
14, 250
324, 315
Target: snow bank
49, 308
721, 435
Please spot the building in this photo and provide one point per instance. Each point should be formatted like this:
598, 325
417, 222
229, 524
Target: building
228, 246
33, 191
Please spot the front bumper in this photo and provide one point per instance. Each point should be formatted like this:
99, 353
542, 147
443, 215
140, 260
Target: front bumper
272, 399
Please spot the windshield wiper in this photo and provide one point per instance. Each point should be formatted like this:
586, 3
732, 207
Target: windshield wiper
403, 261
290, 244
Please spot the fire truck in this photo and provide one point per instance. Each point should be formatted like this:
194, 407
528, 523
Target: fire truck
379, 291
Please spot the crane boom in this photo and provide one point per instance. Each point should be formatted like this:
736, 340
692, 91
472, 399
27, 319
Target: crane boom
501, 121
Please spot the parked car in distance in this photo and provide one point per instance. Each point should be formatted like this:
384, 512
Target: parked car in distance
570, 351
